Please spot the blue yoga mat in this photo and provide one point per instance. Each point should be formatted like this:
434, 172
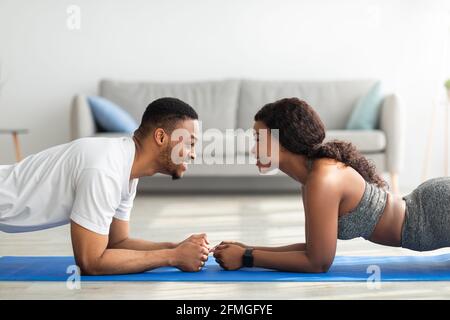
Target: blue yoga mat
344, 268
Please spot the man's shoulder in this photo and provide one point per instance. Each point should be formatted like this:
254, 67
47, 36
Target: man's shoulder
100, 152
99, 145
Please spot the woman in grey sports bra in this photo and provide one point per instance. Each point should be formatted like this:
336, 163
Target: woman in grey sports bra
343, 197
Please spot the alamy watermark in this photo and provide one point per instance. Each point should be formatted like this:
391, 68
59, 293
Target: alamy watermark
73, 282
230, 146
374, 280
73, 21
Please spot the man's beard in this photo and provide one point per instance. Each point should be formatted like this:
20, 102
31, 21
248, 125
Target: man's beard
176, 176
169, 165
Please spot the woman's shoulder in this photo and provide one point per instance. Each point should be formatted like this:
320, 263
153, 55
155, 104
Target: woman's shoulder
327, 173
325, 169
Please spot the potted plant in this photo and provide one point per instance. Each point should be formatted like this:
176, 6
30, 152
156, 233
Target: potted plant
447, 86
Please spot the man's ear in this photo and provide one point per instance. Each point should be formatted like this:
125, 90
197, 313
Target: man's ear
160, 136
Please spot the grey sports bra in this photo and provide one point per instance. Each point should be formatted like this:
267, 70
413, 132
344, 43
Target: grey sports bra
361, 221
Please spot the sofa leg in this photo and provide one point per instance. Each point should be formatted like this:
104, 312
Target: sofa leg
394, 182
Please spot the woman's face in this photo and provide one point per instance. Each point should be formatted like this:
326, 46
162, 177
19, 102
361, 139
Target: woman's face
266, 149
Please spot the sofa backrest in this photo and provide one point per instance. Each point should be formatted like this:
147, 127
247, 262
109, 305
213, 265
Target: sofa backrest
231, 104
333, 100
216, 102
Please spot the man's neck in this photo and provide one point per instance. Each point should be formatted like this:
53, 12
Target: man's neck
145, 161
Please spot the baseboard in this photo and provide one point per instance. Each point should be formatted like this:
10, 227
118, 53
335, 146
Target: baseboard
257, 184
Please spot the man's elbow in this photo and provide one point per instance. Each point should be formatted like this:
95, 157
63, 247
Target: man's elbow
116, 244
89, 267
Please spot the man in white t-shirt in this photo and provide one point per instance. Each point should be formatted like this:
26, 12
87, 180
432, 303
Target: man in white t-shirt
91, 183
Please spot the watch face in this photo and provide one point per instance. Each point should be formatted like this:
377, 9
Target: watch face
248, 258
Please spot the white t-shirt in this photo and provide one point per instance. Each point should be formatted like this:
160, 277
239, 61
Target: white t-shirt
87, 181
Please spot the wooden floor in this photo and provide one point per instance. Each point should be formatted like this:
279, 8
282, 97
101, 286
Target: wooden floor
263, 220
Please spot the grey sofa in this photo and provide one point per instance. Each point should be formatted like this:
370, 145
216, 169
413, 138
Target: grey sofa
231, 104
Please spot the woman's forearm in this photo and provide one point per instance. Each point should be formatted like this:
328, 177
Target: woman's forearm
291, 247
293, 261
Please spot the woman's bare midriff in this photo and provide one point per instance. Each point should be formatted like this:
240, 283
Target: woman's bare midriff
388, 230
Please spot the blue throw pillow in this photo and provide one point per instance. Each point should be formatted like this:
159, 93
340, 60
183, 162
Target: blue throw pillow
110, 116
365, 114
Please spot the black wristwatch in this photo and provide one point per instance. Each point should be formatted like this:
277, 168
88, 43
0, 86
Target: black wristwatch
247, 258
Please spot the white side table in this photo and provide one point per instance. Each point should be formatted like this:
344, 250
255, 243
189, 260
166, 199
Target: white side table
15, 135
437, 104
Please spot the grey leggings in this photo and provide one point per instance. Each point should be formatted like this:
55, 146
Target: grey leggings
427, 220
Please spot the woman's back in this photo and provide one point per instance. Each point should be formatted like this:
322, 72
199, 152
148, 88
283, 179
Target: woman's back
365, 209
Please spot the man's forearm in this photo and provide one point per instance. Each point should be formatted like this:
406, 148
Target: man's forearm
141, 245
121, 261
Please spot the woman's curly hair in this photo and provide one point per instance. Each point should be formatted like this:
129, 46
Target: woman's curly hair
301, 131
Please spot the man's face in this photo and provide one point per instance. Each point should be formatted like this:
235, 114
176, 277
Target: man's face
179, 149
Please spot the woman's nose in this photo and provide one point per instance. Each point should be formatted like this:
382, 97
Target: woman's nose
253, 150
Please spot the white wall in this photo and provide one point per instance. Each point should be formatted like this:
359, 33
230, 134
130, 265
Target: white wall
402, 42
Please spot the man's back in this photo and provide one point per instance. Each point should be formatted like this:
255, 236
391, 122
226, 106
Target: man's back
39, 192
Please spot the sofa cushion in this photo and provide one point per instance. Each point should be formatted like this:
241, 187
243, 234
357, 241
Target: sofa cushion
364, 140
214, 101
333, 100
368, 141
366, 112
110, 116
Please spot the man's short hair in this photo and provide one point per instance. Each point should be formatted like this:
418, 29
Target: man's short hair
164, 113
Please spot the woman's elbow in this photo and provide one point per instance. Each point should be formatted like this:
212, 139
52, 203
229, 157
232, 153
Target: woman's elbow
320, 267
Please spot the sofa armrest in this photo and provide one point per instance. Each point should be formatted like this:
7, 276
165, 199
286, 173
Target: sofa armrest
82, 122
392, 123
